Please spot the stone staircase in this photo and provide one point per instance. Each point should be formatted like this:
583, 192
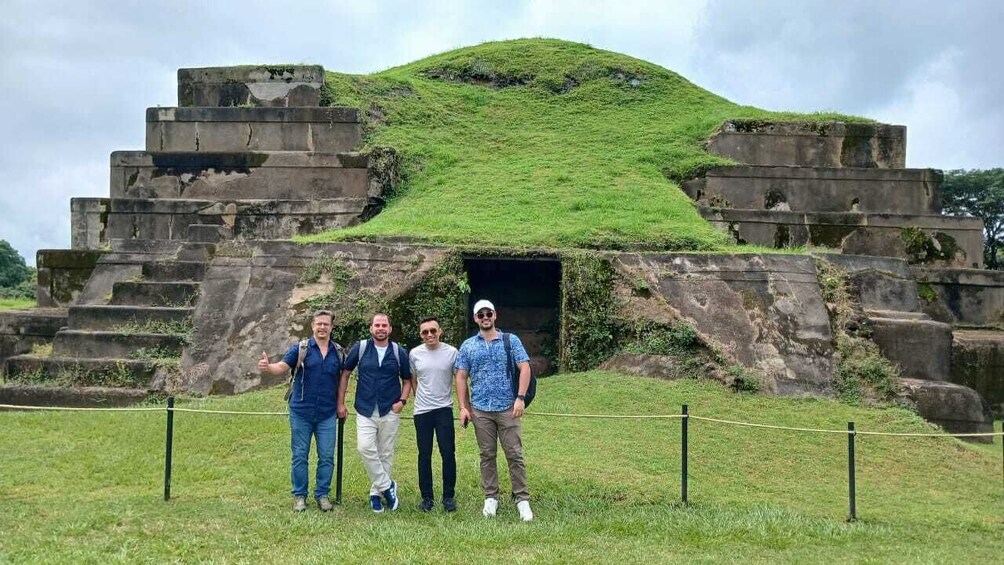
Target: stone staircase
117, 348
248, 155
843, 188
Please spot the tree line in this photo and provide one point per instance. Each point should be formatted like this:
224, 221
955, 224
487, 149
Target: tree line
17, 279
979, 193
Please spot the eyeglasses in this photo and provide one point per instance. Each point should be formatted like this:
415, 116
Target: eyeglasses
429, 331
485, 314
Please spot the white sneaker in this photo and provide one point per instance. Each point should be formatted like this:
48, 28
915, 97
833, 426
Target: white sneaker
525, 513
491, 505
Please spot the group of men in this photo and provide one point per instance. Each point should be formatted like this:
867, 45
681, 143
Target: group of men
386, 376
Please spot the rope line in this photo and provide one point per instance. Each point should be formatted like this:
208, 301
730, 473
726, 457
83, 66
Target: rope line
545, 414
203, 411
768, 426
80, 409
609, 416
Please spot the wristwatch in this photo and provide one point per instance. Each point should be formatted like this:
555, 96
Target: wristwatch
403, 401
521, 397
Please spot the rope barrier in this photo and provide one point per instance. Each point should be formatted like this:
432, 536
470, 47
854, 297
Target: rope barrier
544, 414
768, 426
610, 416
202, 411
80, 409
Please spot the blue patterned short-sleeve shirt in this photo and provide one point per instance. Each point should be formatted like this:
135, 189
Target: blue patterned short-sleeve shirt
485, 362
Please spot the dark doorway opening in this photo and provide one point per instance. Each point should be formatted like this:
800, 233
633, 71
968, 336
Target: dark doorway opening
527, 297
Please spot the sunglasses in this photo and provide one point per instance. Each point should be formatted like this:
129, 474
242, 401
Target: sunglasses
485, 314
429, 331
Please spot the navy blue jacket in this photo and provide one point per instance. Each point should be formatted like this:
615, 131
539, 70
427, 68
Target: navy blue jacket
315, 388
379, 385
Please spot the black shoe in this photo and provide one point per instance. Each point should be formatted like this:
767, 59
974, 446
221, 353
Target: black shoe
427, 505
449, 505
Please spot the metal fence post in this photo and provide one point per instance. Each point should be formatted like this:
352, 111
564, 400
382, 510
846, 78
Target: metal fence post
338, 477
168, 449
850, 472
683, 456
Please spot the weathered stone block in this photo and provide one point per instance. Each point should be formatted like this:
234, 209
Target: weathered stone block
321, 130
232, 176
943, 241
811, 144
955, 408
978, 363
88, 218
879, 283
817, 189
766, 311
113, 317
972, 297
62, 275
271, 86
139, 219
921, 348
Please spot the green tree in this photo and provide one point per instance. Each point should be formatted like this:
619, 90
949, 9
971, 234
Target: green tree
13, 270
979, 193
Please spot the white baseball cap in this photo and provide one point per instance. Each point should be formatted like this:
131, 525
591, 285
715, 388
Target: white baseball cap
482, 304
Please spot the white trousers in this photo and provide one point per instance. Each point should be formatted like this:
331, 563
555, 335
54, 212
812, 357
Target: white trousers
375, 438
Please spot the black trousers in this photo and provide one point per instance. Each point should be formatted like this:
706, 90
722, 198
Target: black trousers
440, 423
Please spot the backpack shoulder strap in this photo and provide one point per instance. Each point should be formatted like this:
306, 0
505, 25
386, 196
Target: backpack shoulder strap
508, 354
362, 349
397, 356
301, 355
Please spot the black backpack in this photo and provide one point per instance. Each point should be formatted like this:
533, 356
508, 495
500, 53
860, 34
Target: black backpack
511, 369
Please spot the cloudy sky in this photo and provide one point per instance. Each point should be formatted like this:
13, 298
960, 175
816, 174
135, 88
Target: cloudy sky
77, 75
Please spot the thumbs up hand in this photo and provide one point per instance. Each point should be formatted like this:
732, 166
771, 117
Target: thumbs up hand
263, 362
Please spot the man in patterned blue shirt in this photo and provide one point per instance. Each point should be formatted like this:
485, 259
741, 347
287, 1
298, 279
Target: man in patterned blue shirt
496, 410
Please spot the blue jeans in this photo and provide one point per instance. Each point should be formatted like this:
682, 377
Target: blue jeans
323, 432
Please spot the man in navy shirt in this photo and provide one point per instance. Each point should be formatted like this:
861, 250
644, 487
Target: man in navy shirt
380, 397
313, 409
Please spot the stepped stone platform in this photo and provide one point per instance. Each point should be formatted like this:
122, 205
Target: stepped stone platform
102, 219
978, 363
816, 189
956, 408
920, 346
811, 144
267, 86
222, 130
967, 297
946, 240
20, 330
275, 175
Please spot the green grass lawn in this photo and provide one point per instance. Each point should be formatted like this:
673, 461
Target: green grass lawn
541, 142
16, 303
87, 487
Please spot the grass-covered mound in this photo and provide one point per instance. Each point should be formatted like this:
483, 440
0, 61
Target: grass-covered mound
540, 142
87, 487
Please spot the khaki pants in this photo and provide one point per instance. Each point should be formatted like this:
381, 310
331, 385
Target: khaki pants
375, 442
491, 429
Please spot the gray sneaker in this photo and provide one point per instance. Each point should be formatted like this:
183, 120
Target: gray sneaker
324, 503
299, 503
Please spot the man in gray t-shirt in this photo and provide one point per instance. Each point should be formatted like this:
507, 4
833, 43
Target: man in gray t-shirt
432, 364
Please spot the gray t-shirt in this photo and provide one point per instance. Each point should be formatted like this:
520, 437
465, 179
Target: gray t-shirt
433, 370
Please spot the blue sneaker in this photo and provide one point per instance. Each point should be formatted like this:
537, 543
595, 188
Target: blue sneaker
390, 495
375, 504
